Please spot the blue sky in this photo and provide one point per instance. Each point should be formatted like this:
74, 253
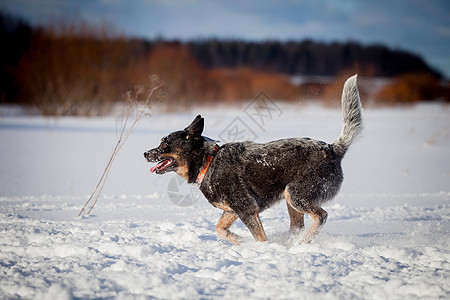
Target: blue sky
420, 26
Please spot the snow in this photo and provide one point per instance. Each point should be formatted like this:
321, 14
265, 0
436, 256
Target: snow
387, 234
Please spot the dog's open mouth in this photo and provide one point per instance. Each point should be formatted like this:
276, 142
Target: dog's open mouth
162, 165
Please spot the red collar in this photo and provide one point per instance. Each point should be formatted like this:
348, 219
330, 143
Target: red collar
202, 173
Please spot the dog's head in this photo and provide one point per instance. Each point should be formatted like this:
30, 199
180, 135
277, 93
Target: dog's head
177, 149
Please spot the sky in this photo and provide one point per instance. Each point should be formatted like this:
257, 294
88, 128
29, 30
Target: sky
419, 26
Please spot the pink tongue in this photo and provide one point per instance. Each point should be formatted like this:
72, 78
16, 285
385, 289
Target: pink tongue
153, 169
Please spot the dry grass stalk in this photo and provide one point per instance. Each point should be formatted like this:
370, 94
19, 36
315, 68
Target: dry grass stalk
139, 105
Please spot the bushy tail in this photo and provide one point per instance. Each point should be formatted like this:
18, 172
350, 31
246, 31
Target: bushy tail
351, 115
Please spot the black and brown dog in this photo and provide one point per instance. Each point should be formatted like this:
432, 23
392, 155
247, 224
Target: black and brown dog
243, 179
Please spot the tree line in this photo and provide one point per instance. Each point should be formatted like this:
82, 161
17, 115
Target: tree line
83, 68
308, 57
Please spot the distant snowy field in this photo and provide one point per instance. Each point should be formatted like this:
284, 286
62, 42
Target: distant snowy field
387, 235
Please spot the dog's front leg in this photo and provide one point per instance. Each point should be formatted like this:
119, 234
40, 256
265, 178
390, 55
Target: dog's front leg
254, 224
222, 228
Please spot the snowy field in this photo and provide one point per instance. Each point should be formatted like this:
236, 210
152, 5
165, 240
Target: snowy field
387, 235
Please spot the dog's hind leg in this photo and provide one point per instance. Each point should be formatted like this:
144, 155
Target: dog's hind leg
304, 199
319, 216
222, 228
296, 217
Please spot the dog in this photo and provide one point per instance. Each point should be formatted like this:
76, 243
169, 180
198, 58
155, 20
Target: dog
245, 178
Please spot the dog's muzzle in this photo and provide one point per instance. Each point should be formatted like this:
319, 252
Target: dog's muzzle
150, 156
164, 163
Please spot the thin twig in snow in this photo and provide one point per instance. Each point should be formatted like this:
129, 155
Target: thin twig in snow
141, 110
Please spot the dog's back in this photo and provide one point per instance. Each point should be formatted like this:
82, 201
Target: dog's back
265, 170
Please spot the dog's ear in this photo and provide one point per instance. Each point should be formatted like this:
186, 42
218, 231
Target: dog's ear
195, 129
